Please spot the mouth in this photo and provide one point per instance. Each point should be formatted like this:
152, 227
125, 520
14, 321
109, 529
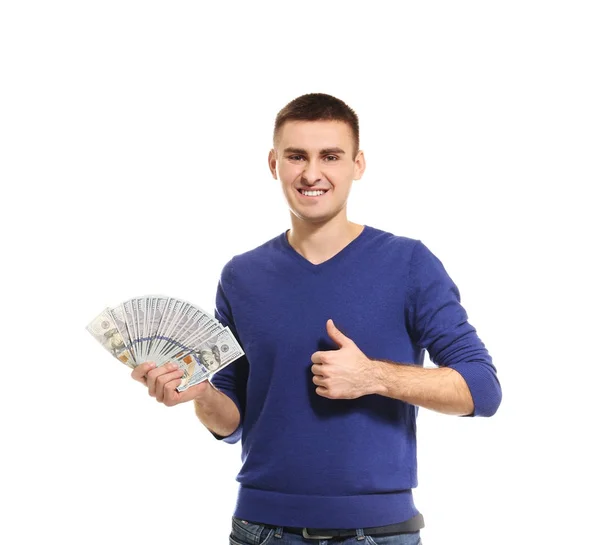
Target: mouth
312, 193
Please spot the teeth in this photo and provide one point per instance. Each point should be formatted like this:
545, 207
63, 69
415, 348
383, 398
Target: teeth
312, 193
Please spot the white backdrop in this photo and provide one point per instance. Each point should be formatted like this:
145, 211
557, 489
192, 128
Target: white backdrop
133, 160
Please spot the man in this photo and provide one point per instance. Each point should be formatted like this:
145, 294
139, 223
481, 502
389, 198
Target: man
211, 358
334, 318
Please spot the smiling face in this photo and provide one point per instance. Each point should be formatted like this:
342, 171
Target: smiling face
316, 163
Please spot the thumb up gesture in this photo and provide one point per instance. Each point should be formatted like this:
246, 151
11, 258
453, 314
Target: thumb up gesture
345, 373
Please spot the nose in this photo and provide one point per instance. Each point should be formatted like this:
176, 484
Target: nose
312, 173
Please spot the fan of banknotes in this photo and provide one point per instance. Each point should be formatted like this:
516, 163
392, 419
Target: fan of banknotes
165, 329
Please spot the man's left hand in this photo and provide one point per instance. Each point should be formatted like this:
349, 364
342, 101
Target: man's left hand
345, 373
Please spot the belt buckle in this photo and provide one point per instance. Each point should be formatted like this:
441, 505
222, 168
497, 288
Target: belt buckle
306, 535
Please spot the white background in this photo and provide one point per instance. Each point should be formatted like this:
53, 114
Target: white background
133, 160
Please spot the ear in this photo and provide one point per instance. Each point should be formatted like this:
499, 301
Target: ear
359, 165
273, 163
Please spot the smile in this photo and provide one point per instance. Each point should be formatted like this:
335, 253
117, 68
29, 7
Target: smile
312, 192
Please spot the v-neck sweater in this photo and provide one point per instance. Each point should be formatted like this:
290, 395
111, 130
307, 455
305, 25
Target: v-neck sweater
310, 461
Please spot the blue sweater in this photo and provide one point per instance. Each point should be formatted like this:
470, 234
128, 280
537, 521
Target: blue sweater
322, 463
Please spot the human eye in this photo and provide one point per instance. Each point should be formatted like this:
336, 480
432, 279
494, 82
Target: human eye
330, 158
295, 157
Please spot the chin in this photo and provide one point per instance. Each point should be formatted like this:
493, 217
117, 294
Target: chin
315, 220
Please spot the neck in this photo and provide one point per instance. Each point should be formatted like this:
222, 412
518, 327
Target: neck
318, 242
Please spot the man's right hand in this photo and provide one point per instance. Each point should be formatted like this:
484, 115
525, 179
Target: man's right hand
162, 383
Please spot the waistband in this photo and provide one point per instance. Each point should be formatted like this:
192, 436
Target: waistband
311, 511
414, 524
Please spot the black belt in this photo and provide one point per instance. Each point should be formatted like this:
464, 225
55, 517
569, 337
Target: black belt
413, 524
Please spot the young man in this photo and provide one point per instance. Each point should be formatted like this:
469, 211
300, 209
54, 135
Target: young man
334, 318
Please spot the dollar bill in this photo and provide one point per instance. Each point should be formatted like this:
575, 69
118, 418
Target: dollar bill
155, 313
131, 322
104, 329
165, 329
208, 358
119, 318
192, 342
171, 315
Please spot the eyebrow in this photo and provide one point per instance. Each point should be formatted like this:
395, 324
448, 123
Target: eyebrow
325, 151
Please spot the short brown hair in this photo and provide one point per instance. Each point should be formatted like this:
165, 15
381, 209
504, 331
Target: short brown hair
318, 107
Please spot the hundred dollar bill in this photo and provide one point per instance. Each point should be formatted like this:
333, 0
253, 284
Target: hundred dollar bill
192, 342
207, 358
172, 337
117, 314
131, 327
170, 317
104, 329
139, 312
156, 306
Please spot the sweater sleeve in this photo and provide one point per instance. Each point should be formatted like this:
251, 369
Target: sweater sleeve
232, 379
438, 323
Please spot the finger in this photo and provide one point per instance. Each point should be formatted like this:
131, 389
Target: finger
317, 357
322, 391
173, 377
336, 335
139, 373
174, 397
170, 394
153, 374
317, 369
318, 380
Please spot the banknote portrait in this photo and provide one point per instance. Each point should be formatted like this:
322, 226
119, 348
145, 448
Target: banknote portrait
211, 358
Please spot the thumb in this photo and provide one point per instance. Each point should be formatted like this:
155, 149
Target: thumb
336, 335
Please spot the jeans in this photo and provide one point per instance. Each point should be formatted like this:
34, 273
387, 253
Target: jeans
247, 533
